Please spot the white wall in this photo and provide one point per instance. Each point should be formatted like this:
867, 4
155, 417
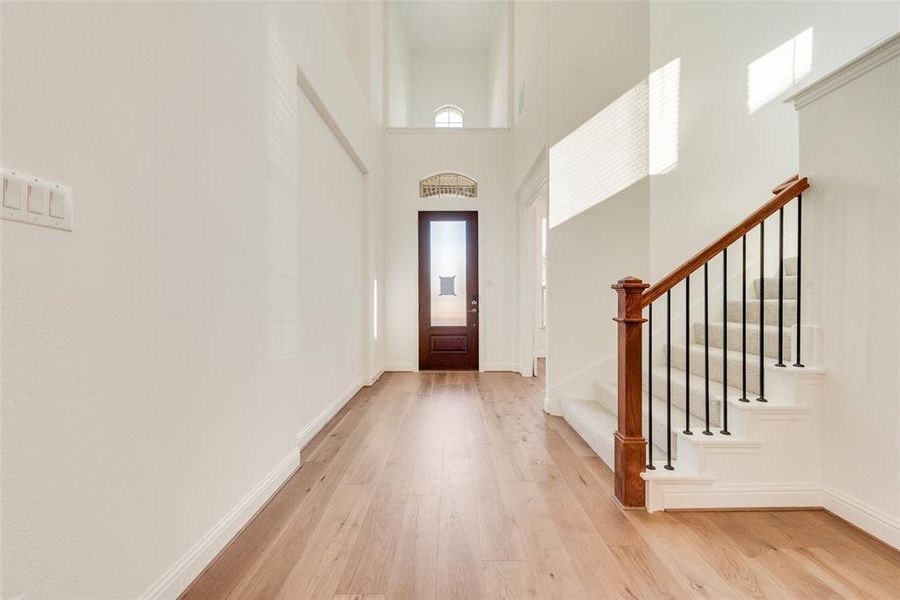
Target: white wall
409, 158
398, 70
160, 360
351, 22
729, 159
588, 254
498, 74
850, 149
596, 53
529, 89
439, 77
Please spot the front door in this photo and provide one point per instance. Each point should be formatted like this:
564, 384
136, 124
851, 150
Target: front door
448, 290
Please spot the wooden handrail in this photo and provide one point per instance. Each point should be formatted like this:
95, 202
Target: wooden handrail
788, 191
785, 183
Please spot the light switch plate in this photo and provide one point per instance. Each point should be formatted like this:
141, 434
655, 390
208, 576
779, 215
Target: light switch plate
29, 199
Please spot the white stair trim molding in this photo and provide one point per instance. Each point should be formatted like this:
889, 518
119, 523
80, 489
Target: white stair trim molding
862, 64
178, 577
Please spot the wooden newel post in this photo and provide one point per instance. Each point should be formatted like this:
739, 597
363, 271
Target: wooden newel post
631, 447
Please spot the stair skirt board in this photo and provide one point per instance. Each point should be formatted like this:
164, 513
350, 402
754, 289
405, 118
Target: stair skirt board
705, 494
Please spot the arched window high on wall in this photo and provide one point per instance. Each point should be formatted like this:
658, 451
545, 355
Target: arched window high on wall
448, 184
448, 116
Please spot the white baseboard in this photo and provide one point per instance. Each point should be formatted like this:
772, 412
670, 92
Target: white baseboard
305, 435
401, 367
174, 581
553, 406
874, 522
373, 379
500, 367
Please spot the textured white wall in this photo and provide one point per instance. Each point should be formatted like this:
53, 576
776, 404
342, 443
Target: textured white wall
850, 149
161, 359
410, 157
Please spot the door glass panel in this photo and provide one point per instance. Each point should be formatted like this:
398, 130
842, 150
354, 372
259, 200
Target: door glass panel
448, 273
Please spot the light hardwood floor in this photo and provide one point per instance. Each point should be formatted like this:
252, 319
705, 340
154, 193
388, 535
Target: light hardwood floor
457, 485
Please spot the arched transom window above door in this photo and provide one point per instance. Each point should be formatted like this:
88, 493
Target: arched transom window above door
448, 184
448, 116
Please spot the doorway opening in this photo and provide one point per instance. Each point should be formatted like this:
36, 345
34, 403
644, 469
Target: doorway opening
448, 290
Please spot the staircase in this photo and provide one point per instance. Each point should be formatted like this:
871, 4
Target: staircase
752, 439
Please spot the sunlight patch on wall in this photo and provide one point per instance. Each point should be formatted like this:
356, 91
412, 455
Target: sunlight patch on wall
779, 69
665, 84
635, 135
282, 135
602, 157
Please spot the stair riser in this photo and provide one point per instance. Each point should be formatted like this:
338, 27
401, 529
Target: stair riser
698, 398
659, 435
790, 266
608, 401
771, 288
735, 376
735, 341
771, 312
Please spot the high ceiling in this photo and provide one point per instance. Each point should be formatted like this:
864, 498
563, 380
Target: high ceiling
450, 25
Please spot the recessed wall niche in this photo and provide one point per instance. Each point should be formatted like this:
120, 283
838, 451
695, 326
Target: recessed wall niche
444, 54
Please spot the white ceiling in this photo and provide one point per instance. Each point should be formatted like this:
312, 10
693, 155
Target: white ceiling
450, 24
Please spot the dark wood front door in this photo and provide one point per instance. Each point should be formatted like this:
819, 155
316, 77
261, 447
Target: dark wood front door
448, 290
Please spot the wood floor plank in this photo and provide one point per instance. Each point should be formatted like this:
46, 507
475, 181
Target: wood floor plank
498, 532
414, 572
459, 573
545, 550
317, 573
663, 535
508, 580
433, 486
722, 554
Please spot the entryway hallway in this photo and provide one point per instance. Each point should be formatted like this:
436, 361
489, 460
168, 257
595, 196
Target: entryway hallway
458, 485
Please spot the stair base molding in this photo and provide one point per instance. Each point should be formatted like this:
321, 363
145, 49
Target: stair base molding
702, 493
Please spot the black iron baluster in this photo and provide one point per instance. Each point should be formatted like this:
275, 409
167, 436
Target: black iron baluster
762, 311
669, 381
799, 229
706, 341
687, 356
780, 362
724, 430
744, 319
650, 466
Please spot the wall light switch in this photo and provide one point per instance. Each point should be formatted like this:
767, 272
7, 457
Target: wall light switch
38, 199
13, 193
29, 199
57, 204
